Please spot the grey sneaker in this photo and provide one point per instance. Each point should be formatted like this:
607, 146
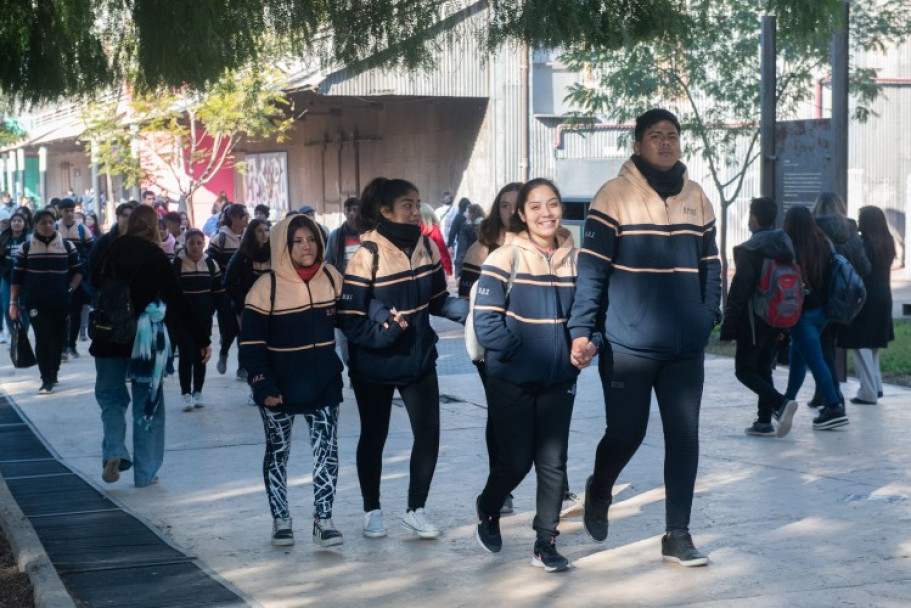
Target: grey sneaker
373, 524
785, 416
222, 366
282, 534
677, 546
417, 522
760, 429
111, 472
325, 534
197, 401
187, 402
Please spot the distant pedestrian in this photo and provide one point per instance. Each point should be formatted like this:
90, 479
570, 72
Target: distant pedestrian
446, 213
137, 259
222, 246
11, 241
46, 275
81, 238
430, 227
287, 345
468, 234
452, 239
91, 222
311, 213
343, 242
168, 242
872, 329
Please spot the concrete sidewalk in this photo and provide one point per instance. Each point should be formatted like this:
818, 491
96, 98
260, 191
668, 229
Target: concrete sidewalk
814, 519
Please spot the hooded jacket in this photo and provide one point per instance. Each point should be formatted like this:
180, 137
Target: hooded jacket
288, 348
223, 245
843, 233
415, 287
525, 331
748, 259
653, 265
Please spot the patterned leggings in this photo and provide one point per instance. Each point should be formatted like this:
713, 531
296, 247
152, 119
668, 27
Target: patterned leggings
324, 441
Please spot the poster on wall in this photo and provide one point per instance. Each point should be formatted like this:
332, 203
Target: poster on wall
266, 181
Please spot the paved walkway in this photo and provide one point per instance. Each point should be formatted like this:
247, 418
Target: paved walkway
814, 519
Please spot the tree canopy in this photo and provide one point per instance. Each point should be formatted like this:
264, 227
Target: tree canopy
63, 48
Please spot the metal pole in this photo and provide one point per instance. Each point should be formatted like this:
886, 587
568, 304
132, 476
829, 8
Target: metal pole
42, 174
768, 103
524, 136
840, 107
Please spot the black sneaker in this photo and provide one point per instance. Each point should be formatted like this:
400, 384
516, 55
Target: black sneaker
594, 516
546, 556
785, 416
760, 429
222, 365
677, 546
282, 534
488, 529
815, 402
46, 388
830, 417
325, 533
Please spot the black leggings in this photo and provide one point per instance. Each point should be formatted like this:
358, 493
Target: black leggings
374, 403
628, 381
50, 335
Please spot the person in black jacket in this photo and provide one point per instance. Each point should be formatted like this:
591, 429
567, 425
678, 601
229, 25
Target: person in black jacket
757, 342
452, 239
137, 258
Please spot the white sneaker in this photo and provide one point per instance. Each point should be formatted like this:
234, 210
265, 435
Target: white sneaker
373, 524
2, 338
417, 522
197, 401
187, 402
282, 533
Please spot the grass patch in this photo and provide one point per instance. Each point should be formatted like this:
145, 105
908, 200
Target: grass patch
895, 360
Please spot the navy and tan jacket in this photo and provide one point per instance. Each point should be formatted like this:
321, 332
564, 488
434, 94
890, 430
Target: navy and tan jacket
289, 349
525, 332
653, 265
223, 245
415, 287
201, 285
79, 236
471, 267
44, 272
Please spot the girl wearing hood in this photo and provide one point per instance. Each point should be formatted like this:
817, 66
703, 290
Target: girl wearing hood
222, 246
287, 346
525, 293
394, 282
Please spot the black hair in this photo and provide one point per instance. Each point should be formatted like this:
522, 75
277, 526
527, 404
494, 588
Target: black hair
193, 232
260, 208
654, 116
302, 221
172, 216
765, 210
29, 217
53, 202
875, 232
248, 245
147, 193
122, 207
66, 203
811, 247
381, 192
516, 223
490, 228
464, 203
351, 201
233, 212
40, 214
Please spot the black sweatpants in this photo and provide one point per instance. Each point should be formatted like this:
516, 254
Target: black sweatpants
190, 369
78, 300
374, 403
228, 328
531, 426
753, 364
628, 381
50, 335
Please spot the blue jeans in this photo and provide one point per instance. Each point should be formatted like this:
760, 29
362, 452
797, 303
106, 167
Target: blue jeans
806, 351
114, 399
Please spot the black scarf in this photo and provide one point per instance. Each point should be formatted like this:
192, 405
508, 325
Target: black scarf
403, 236
665, 183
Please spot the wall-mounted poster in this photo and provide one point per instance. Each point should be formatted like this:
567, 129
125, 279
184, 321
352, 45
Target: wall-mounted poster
266, 181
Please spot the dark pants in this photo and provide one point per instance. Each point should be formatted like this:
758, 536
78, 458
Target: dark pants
753, 366
74, 319
50, 329
628, 381
190, 368
531, 425
374, 403
228, 328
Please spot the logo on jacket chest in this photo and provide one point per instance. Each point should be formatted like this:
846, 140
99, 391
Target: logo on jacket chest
689, 211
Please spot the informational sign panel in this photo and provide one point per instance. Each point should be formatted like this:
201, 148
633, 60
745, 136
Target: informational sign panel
803, 162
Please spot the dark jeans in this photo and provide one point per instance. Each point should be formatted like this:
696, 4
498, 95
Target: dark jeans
374, 403
827, 341
628, 381
190, 368
753, 366
50, 329
531, 425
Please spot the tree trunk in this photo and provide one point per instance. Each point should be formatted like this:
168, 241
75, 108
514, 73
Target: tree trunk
723, 249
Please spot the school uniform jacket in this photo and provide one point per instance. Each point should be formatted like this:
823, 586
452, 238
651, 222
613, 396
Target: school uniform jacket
653, 264
471, 267
415, 287
289, 349
223, 245
44, 272
525, 332
202, 288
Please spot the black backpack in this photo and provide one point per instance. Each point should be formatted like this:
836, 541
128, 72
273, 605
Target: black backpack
847, 292
113, 318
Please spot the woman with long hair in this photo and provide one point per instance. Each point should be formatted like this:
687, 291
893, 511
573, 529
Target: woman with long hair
136, 258
872, 329
249, 262
91, 222
287, 344
394, 282
813, 252
234, 219
524, 297
11, 240
430, 227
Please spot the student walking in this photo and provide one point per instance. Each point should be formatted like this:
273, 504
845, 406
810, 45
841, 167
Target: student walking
430, 227
394, 282
201, 282
649, 274
531, 385
757, 341
468, 234
813, 251
872, 329
343, 242
287, 345
81, 238
11, 241
137, 259
46, 275
222, 246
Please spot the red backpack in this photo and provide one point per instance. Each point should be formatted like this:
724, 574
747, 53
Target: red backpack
778, 299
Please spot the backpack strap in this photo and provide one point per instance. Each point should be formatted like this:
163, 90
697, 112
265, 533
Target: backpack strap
329, 276
210, 263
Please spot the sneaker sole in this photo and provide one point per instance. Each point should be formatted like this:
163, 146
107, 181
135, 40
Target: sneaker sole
375, 534
330, 542
831, 424
755, 434
188, 408
688, 563
537, 563
111, 472
787, 418
282, 542
427, 535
